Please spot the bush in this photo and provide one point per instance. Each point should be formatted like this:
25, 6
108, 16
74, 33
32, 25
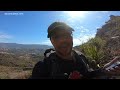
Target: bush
93, 49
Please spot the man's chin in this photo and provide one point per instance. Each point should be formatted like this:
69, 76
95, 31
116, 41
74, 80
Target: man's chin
65, 53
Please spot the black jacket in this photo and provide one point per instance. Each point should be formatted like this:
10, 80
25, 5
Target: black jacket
53, 67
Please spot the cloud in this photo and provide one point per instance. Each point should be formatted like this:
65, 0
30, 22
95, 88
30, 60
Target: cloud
82, 39
76, 41
80, 31
5, 36
98, 27
99, 17
83, 29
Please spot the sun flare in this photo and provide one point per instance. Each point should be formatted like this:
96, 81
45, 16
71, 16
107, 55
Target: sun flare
76, 14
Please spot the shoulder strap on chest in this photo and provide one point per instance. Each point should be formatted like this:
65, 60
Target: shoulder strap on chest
48, 52
51, 60
82, 59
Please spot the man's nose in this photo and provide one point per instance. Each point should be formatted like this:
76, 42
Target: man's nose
63, 39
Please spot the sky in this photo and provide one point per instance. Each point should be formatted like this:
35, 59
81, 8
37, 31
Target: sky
30, 27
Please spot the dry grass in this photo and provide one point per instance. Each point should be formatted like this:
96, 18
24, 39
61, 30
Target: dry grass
20, 75
13, 73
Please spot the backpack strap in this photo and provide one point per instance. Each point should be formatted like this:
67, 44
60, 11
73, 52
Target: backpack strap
84, 59
48, 52
51, 61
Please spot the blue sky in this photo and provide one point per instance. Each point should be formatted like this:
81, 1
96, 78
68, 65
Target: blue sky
30, 27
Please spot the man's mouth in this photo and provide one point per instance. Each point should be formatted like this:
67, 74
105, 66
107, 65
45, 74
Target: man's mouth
65, 45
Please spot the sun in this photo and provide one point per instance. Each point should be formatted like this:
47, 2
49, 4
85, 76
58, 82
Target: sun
76, 14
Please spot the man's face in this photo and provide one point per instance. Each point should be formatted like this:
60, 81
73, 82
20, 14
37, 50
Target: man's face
62, 42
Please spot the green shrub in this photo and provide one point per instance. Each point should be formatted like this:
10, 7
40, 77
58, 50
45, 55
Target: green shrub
93, 49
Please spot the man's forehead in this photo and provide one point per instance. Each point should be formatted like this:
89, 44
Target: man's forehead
62, 32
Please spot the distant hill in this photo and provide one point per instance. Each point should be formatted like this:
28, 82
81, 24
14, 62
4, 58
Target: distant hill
21, 46
22, 49
13, 54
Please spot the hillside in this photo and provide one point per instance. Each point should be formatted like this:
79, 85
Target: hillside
18, 60
12, 54
110, 32
106, 44
111, 29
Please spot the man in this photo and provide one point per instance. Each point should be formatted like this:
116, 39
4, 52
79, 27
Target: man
63, 62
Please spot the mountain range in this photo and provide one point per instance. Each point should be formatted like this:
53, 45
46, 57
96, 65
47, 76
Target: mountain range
22, 46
